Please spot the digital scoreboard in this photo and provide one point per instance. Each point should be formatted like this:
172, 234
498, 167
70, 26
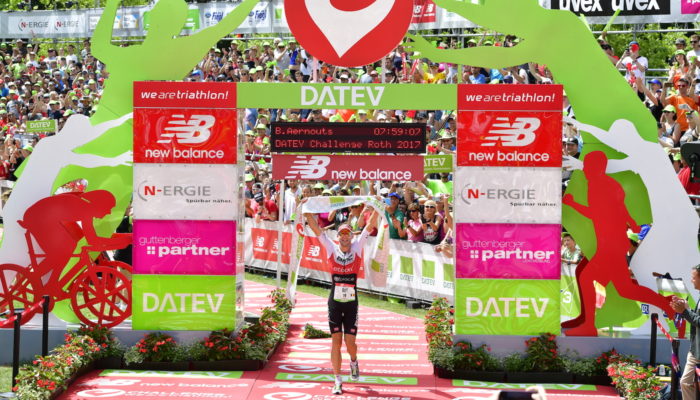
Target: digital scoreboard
340, 137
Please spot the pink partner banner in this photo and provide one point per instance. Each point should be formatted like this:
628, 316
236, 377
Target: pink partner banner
184, 247
508, 251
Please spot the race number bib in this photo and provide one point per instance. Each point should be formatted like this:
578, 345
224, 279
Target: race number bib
344, 292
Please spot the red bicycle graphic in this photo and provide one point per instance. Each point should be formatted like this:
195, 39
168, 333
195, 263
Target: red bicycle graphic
99, 291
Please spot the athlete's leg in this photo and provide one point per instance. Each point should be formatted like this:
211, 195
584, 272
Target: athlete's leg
352, 350
336, 344
351, 346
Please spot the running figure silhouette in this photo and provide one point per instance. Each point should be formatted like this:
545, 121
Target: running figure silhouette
607, 211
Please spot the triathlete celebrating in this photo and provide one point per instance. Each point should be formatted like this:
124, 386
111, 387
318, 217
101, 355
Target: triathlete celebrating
344, 263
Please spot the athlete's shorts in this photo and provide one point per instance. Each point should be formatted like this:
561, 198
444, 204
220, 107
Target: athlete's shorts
342, 316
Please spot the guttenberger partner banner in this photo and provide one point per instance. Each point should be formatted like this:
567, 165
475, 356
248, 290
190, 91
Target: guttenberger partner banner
185, 206
508, 209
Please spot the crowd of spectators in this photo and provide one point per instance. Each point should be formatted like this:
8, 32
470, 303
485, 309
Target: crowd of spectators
54, 81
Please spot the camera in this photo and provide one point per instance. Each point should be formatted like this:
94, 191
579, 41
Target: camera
691, 153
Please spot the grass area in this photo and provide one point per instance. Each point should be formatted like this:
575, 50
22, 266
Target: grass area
366, 299
5, 378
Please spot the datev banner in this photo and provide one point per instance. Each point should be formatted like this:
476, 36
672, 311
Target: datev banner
184, 247
509, 139
185, 192
508, 195
341, 167
508, 251
171, 302
506, 307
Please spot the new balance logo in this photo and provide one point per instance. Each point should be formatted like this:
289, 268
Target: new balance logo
192, 131
517, 134
308, 167
314, 251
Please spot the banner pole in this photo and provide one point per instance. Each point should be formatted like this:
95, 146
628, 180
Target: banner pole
280, 228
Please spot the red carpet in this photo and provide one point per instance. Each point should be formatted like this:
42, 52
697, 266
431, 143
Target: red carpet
392, 355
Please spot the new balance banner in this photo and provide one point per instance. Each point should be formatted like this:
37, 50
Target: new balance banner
185, 192
190, 135
509, 251
509, 139
184, 247
424, 11
266, 245
510, 97
508, 195
341, 167
506, 307
174, 302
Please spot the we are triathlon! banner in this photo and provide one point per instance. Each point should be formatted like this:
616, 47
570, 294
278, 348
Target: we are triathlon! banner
508, 209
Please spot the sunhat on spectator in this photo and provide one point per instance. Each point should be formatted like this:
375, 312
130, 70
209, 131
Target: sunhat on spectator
670, 108
319, 186
249, 133
384, 191
394, 194
249, 177
446, 135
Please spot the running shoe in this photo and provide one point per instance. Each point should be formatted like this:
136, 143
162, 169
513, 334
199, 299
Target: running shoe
337, 388
354, 370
